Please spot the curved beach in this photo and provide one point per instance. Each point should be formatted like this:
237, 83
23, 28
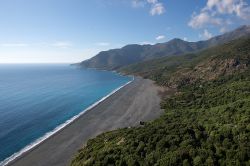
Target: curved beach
137, 101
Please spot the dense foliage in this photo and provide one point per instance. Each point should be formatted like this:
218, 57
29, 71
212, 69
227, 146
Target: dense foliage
205, 123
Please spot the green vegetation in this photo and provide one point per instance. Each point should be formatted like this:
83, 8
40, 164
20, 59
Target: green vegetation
206, 123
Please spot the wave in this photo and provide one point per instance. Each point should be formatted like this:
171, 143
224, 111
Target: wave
58, 128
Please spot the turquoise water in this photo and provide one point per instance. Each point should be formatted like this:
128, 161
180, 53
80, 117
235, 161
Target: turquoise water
35, 99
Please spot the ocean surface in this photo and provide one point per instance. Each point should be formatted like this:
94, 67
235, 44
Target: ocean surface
36, 100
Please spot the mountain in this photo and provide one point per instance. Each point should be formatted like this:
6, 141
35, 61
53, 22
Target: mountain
117, 58
208, 64
206, 122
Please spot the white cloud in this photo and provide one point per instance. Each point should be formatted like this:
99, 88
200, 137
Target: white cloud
103, 44
185, 39
161, 37
14, 45
157, 8
203, 19
238, 7
243, 11
62, 44
220, 13
206, 34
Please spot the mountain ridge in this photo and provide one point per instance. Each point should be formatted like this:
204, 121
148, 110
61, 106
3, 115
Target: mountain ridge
133, 53
206, 65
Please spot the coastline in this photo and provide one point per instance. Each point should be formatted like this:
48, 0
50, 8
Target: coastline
136, 101
49, 134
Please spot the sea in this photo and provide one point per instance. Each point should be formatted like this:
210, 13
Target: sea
38, 100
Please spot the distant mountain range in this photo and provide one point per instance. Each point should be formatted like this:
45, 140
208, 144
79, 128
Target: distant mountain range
116, 58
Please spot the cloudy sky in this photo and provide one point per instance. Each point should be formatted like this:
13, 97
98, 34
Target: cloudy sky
66, 31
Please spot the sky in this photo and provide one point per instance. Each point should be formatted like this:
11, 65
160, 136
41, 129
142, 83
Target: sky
69, 31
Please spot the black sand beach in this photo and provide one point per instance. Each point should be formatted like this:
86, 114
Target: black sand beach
138, 101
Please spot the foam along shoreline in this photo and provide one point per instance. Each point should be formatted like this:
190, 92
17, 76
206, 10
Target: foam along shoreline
137, 101
57, 129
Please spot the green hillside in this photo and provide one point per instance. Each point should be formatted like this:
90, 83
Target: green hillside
209, 64
207, 122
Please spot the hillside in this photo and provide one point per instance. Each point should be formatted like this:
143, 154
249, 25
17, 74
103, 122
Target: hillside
207, 122
116, 58
208, 64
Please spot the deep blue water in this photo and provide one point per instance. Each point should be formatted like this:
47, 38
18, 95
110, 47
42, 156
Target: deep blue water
35, 99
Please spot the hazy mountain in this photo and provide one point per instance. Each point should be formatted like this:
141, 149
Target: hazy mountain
116, 58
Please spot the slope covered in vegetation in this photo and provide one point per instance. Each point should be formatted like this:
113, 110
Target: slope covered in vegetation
206, 123
208, 64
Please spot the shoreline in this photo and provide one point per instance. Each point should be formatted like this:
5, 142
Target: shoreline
56, 130
137, 101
